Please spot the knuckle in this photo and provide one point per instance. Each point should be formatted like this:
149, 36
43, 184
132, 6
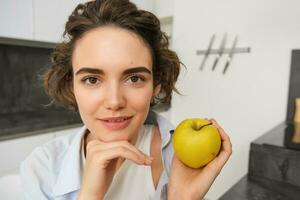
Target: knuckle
125, 143
99, 159
121, 149
93, 156
92, 151
229, 153
138, 158
88, 146
91, 144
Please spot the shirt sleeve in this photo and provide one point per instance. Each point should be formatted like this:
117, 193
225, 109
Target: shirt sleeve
35, 176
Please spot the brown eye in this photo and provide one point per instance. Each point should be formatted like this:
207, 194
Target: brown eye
134, 79
90, 80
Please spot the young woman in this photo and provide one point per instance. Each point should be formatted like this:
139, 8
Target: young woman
112, 68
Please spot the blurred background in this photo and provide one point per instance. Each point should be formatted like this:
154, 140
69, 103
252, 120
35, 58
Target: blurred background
248, 101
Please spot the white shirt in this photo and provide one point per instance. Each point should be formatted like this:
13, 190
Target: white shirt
54, 170
132, 181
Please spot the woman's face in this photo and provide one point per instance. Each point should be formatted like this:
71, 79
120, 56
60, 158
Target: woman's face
113, 82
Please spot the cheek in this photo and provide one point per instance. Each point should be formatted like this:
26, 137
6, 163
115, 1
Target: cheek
87, 101
140, 99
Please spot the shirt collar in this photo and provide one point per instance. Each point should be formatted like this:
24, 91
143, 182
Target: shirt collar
69, 175
164, 127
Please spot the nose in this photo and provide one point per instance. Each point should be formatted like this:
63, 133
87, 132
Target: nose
114, 98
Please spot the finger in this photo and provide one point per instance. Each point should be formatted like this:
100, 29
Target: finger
123, 152
91, 144
216, 124
224, 136
221, 159
225, 152
95, 149
130, 146
226, 143
109, 145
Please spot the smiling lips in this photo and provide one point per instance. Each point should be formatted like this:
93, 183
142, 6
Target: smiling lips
115, 123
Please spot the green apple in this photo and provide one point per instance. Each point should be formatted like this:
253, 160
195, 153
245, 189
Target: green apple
196, 142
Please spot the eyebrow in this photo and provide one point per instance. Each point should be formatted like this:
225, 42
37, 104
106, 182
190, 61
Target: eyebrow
101, 72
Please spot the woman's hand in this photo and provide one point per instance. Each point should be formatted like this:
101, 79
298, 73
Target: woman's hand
101, 163
189, 183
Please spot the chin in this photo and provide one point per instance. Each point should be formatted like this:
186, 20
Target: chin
108, 135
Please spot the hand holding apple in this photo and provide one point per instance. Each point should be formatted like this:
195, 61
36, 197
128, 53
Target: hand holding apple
196, 142
191, 183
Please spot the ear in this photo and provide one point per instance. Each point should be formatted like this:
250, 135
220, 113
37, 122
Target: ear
156, 90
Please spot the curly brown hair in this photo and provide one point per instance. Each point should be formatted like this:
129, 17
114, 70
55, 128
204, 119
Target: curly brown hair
123, 14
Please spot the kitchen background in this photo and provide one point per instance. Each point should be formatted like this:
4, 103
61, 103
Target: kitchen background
249, 100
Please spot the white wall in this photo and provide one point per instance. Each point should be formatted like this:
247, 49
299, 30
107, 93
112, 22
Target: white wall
16, 18
42, 20
39, 20
145, 4
252, 97
49, 18
164, 8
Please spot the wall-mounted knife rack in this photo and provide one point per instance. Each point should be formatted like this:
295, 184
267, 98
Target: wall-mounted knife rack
226, 51
221, 51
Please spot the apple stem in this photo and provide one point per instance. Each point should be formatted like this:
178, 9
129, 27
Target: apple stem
205, 125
